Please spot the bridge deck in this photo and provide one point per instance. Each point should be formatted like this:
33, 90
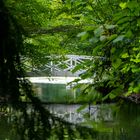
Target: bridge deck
56, 80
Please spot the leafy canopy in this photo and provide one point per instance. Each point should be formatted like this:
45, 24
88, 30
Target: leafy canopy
107, 29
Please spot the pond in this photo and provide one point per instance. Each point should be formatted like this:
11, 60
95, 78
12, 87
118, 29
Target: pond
107, 121
56, 93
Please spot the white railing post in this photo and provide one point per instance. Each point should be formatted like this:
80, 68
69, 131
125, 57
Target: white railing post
51, 66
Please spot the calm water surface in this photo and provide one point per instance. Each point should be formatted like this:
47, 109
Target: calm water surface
112, 122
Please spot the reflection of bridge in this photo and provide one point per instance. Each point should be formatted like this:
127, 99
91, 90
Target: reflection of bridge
63, 66
69, 112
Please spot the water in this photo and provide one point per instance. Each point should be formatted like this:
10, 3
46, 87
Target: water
56, 89
71, 114
111, 121
56, 93
107, 121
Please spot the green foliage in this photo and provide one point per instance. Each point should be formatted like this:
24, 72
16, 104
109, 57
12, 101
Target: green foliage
32, 120
117, 41
59, 27
108, 30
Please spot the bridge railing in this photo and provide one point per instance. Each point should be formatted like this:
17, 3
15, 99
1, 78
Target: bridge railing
63, 64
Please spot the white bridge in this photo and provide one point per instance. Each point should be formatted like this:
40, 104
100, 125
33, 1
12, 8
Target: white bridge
64, 65
68, 64
57, 80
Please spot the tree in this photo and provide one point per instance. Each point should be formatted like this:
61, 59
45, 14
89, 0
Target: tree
110, 36
36, 122
116, 41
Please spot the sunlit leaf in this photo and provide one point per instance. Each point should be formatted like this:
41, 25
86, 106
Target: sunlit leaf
136, 89
137, 60
135, 69
123, 5
125, 55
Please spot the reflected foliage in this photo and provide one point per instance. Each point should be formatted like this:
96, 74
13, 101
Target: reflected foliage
29, 125
32, 123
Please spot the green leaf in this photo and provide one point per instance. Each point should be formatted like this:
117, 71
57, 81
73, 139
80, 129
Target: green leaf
113, 49
116, 92
124, 55
136, 60
84, 37
138, 22
126, 68
105, 97
112, 37
133, 5
96, 50
119, 38
86, 75
135, 69
110, 26
93, 40
136, 48
136, 89
128, 34
98, 31
123, 5
76, 80
123, 20
116, 63
103, 37
112, 96
78, 67
82, 34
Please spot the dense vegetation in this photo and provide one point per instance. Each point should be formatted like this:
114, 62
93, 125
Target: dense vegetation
36, 28
107, 29
115, 39
29, 117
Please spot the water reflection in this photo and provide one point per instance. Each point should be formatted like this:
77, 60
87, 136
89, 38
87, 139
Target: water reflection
36, 123
70, 113
57, 93
106, 122
40, 121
